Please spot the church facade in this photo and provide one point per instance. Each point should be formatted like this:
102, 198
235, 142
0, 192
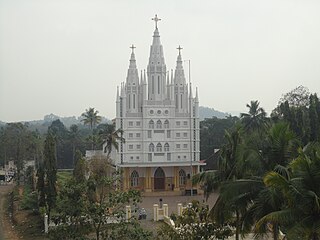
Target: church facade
159, 117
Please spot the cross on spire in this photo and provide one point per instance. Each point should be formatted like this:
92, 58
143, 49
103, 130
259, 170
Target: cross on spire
132, 47
179, 48
156, 19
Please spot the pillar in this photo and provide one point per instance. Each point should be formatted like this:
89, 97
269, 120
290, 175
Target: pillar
155, 212
128, 213
46, 224
180, 209
148, 180
165, 210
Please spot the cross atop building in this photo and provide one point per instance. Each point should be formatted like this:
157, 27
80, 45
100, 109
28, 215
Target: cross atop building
156, 19
179, 48
132, 47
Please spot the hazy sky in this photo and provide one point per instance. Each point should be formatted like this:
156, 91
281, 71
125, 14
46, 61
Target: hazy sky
62, 56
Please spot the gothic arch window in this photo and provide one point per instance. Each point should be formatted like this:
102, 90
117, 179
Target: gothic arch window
151, 124
182, 177
134, 101
151, 147
166, 124
134, 181
159, 124
177, 101
158, 84
152, 84
166, 147
159, 147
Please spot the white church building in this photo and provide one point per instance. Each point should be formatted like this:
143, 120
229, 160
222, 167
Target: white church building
159, 117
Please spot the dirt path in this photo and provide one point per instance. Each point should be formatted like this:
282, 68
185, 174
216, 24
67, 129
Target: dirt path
6, 229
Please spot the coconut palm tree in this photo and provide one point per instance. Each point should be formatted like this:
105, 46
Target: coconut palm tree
280, 146
112, 141
255, 119
300, 216
91, 118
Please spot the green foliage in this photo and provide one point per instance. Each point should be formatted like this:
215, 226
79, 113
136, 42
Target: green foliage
212, 131
194, 224
29, 199
96, 204
50, 170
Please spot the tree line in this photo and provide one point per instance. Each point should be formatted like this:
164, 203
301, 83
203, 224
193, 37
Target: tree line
267, 173
20, 141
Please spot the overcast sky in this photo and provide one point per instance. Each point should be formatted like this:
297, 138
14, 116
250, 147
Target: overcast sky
63, 56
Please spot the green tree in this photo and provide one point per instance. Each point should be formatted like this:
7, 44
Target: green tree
194, 224
314, 118
81, 168
212, 131
74, 136
97, 201
255, 119
50, 170
112, 141
91, 118
300, 215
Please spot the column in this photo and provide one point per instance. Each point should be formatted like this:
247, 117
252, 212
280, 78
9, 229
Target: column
155, 212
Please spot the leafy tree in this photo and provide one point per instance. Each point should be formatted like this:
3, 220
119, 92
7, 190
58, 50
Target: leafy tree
50, 170
212, 132
194, 224
74, 136
314, 107
95, 203
80, 168
41, 185
297, 97
63, 147
17, 145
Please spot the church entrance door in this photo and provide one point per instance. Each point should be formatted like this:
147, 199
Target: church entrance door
159, 179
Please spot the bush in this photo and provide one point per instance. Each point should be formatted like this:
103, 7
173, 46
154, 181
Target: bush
29, 200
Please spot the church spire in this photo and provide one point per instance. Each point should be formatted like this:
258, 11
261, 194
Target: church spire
179, 77
132, 58
156, 70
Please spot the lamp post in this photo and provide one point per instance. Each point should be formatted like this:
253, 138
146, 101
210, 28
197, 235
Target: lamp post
190, 123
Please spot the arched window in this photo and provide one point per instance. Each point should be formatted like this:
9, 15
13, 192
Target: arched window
182, 177
159, 124
166, 147
166, 124
159, 147
134, 179
151, 124
151, 147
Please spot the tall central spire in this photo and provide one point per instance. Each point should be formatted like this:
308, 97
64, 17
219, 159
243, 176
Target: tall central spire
156, 69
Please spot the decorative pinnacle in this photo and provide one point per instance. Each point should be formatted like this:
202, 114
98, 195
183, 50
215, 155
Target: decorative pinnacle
156, 19
179, 48
132, 47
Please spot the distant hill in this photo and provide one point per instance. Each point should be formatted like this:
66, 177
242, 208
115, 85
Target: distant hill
206, 112
48, 119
